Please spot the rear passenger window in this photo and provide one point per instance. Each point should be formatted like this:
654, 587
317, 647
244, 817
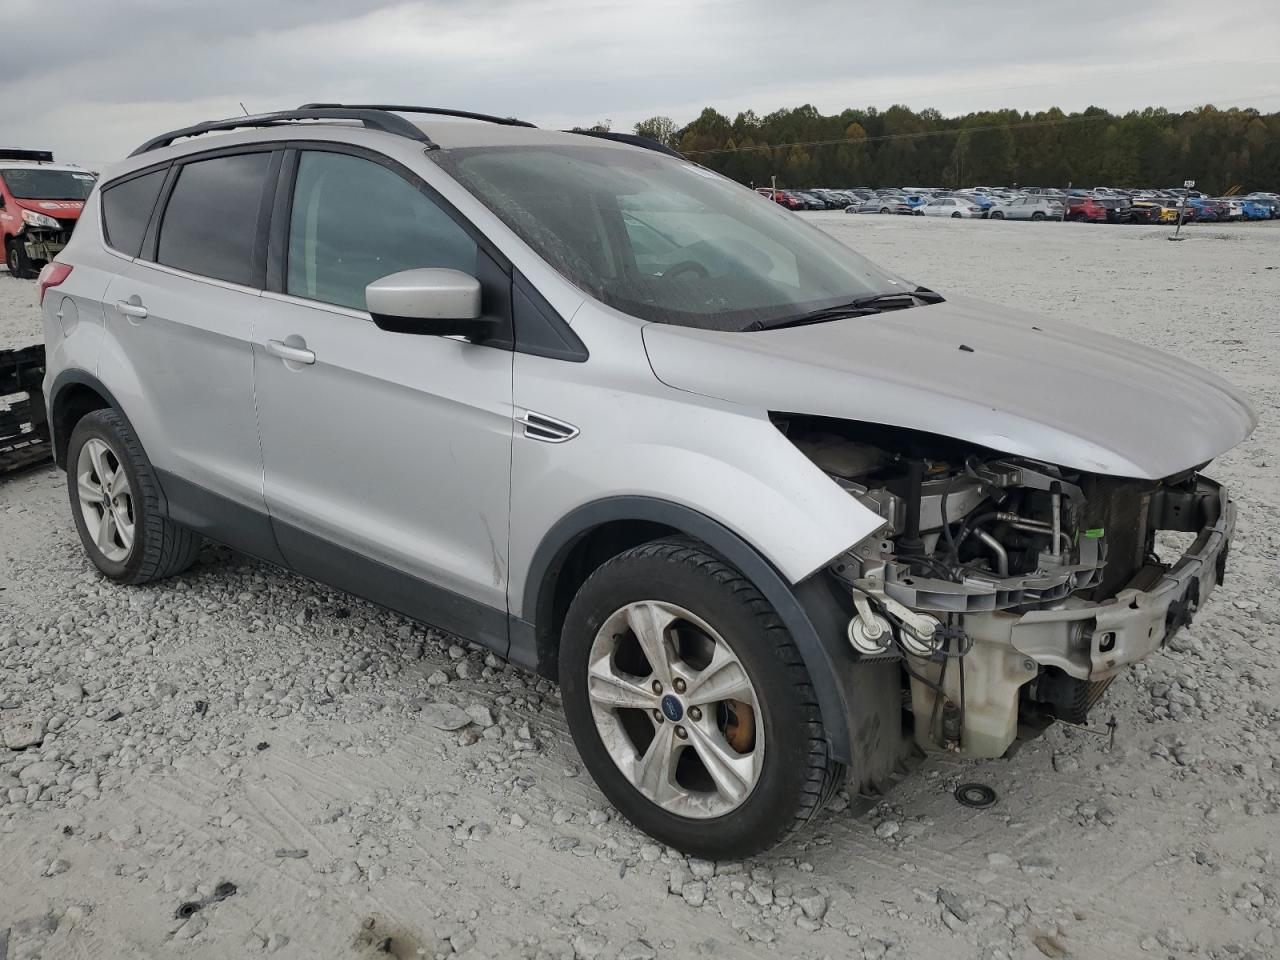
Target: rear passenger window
355, 221
126, 210
211, 221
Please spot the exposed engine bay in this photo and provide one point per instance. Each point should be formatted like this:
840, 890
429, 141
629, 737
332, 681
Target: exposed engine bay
1011, 591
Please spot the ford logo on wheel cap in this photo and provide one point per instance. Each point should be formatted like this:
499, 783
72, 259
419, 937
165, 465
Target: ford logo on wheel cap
671, 708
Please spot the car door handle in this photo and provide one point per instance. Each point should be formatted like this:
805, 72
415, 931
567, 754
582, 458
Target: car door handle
136, 310
282, 350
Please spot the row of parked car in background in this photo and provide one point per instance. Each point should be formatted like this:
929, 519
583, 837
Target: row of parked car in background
1095, 205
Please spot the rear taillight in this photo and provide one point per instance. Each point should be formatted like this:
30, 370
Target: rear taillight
51, 276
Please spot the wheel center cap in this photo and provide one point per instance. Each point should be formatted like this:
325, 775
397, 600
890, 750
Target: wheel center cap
671, 708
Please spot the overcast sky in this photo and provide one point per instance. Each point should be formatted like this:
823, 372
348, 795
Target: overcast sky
91, 79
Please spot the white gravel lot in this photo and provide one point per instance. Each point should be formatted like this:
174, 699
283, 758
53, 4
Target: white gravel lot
19, 315
241, 725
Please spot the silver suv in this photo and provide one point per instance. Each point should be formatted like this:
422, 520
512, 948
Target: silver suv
775, 519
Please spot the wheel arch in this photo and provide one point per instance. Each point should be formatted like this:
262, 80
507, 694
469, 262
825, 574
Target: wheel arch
74, 394
595, 532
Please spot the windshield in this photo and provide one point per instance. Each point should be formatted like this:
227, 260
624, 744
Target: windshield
37, 184
664, 239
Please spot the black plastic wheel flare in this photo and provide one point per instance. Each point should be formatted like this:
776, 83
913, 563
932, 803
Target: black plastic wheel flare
977, 795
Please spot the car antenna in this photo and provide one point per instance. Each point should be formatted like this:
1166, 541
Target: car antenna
242, 107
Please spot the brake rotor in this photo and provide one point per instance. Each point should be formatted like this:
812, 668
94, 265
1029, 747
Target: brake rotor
740, 726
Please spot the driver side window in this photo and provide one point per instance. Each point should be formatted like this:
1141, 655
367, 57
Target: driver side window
355, 221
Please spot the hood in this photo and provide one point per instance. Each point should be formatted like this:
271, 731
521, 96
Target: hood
58, 209
989, 375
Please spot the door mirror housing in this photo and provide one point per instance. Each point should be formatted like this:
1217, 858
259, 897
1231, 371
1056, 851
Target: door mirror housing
429, 301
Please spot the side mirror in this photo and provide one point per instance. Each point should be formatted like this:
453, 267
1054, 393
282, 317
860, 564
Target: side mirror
430, 301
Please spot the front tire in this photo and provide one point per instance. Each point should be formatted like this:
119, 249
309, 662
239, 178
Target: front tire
16, 259
116, 502
690, 704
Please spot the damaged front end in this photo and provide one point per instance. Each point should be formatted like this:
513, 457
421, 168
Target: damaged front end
42, 236
1010, 590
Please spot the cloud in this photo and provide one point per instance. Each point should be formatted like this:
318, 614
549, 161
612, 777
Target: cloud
91, 80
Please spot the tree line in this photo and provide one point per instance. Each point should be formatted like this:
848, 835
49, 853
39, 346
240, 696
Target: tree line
1219, 149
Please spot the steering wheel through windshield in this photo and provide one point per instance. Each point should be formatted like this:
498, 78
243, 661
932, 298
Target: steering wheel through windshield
691, 267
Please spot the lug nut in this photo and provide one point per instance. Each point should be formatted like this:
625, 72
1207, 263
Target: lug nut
695, 714
682, 733
657, 687
679, 685
657, 716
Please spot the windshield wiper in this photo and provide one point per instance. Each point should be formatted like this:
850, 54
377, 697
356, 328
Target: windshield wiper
862, 307
814, 316
899, 299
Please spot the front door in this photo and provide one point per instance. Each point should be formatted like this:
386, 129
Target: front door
387, 456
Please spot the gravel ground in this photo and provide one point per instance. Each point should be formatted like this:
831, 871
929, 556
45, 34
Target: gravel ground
358, 777
19, 316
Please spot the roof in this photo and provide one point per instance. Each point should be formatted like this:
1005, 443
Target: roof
382, 127
453, 135
486, 130
32, 165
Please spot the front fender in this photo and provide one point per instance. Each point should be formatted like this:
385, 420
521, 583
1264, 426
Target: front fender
711, 469
639, 438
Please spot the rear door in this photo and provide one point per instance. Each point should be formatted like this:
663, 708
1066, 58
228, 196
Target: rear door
388, 455
179, 323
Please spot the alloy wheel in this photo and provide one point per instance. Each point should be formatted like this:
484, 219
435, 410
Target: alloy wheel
675, 709
106, 499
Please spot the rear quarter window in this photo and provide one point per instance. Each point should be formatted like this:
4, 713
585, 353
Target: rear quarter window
126, 211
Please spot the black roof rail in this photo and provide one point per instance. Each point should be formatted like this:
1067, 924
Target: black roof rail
632, 139
373, 119
438, 111
39, 156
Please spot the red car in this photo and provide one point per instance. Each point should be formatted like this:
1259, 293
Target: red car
1086, 208
39, 206
781, 197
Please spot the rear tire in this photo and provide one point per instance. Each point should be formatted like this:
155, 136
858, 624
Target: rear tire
956, 215
884, 209
682, 596
16, 259
112, 485
1037, 215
